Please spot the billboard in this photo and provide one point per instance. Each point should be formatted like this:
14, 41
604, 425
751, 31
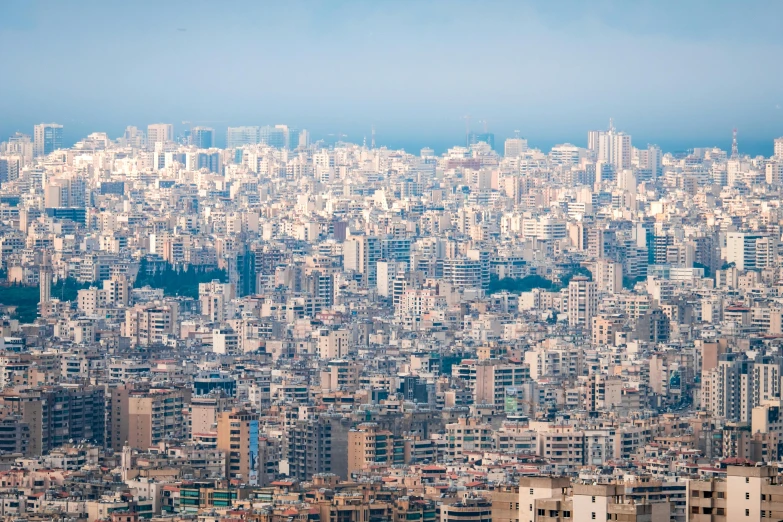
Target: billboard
253, 454
511, 403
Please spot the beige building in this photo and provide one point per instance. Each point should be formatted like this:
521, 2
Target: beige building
140, 418
149, 324
333, 343
238, 437
555, 499
747, 493
471, 509
368, 446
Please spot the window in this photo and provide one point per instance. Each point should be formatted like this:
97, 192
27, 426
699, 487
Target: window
592, 515
531, 491
593, 500
566, 514
541, 512
695, 493
747, 496
747, 480
531, 507
721, 494
763, 496
747, 512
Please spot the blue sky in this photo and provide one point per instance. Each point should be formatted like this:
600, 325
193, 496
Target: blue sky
673, 73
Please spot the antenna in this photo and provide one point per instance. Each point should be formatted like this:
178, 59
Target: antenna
611, 124
372, 143
734, 148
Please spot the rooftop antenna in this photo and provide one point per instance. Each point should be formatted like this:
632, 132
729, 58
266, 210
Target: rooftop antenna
373, 137
611, 124
516, 133
734, 148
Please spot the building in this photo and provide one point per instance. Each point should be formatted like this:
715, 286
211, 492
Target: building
582, 302
202, 137
312, 449
741, 249
471, 509
333, 343
141, 417
55, 415
361, 254
159, 133
47, 138
369, 446
747, 493
238, 436
555, 499
240, 136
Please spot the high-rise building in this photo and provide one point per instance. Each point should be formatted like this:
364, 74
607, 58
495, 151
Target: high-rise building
45, 285
582, 302
238, 437
140, 417
514, 147
202, 137
133, 137
57, 414
611, 147
47, 138
10, 167
311, 450
240, 136
19, 145
741, 249
304, 138
274, 136
369, 445
778, 151
159, 133
361, 254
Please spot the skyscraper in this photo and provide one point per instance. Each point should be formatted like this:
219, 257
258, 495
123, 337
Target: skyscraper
779, 147
239, 136
514, 147
611, 147
273, 136
47, 137
159, 133
202, 137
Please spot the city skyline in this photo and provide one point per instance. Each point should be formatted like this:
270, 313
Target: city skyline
752, 148
413, 73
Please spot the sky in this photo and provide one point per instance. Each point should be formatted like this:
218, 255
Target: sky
679, 73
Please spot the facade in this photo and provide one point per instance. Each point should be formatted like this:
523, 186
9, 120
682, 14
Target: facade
47, 138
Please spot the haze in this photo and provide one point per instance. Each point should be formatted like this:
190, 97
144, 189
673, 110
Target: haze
667, 73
